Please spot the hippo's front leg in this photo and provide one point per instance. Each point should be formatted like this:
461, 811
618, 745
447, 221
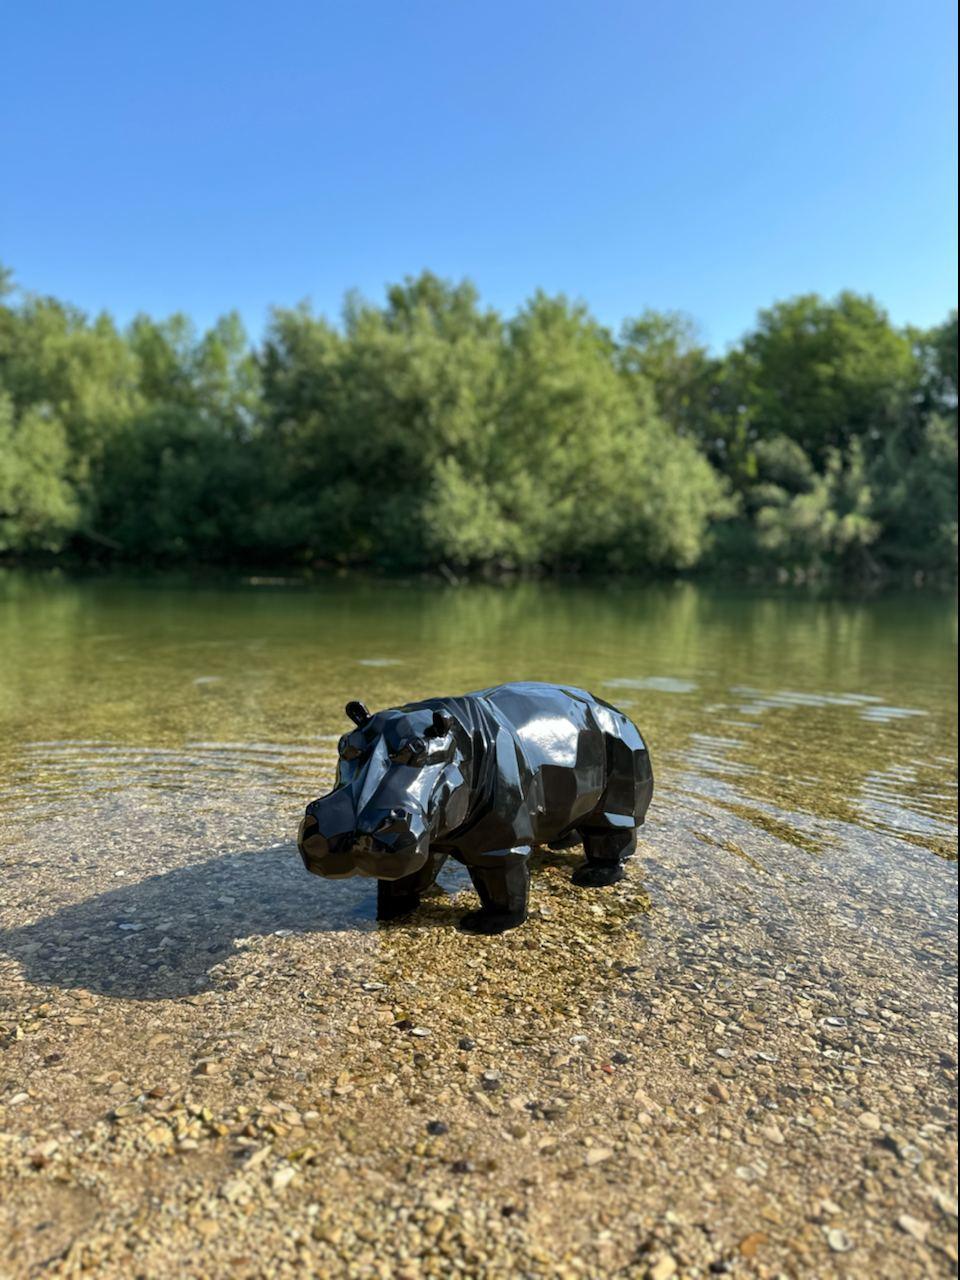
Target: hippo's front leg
399, 897
503, 882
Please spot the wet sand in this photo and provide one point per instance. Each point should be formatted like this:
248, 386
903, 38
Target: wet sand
740, 1060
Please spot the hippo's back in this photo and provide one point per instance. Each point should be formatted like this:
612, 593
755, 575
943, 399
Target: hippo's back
553, 756
546, 715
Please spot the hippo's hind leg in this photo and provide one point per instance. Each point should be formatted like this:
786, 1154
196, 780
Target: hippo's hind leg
607, 850
503, 883
568, 841
397, 898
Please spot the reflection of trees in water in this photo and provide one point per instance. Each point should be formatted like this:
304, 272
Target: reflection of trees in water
120, 661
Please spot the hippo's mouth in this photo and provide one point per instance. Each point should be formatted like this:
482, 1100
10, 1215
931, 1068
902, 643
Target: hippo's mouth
358, 854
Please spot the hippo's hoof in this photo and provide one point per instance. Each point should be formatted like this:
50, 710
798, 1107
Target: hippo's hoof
594, 875
490, 922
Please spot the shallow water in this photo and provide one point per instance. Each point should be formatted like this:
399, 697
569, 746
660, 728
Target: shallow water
817, 721
757, 1022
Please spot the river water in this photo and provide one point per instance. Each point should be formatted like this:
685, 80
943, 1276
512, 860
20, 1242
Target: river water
816, 722
158, 740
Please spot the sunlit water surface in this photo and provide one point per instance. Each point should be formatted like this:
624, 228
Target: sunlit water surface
787, 733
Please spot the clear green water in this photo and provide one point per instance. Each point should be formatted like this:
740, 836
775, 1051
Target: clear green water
816, 723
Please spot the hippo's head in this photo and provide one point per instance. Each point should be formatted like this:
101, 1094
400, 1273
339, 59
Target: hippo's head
399, 781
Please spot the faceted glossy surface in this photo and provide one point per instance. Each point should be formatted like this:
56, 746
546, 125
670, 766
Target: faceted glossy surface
483, 777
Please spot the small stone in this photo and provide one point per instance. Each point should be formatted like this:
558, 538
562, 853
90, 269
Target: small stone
283, 1177
438, 1203
751, 1243
234, 1189
436, 1127
664, 1267
838, 1240
869, 1120
619, 1058
419, 1032
773, 1133
490, 1080
597, 1155
945, 1203
644, 1101
39, 1157
466, 1044
915, 1227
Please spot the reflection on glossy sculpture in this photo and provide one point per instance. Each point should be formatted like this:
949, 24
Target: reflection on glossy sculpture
481, 778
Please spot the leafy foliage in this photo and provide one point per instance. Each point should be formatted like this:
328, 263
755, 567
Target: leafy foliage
38, 504
430, 431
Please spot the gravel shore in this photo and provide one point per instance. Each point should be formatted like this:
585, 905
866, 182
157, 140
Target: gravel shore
212, 1065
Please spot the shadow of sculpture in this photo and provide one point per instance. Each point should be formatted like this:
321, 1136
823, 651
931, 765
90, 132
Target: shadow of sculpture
159, 938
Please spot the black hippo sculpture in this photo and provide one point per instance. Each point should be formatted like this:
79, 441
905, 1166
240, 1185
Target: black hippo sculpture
481, 778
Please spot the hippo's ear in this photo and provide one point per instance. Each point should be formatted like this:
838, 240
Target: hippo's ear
439, 725
358, 713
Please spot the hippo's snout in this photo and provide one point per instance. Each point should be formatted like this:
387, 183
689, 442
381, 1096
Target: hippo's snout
386, 846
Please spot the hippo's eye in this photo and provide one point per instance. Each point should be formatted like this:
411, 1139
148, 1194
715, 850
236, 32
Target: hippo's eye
346, 750
408, 752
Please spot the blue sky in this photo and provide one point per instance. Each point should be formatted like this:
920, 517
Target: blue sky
699, 156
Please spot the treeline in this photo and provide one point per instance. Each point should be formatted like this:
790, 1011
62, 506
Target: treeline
432, 432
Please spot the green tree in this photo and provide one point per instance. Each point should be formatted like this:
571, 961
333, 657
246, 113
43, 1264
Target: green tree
38, 504
936, 353
662, 350
827, 373
372, 418
585, 472
182, 477
82, 370
174, 485
915, 483
828, 522
429, 431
